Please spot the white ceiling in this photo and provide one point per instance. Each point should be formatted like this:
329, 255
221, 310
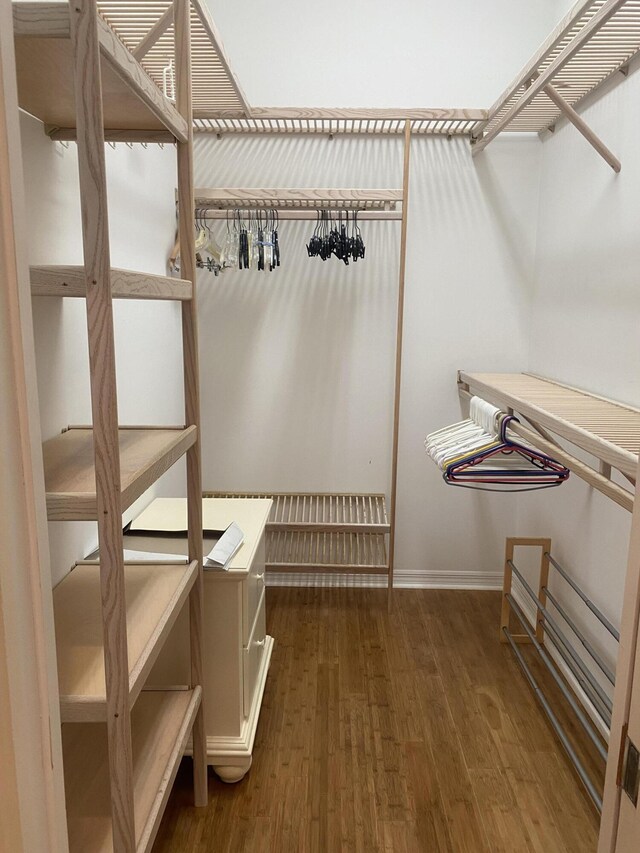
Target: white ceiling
372, 53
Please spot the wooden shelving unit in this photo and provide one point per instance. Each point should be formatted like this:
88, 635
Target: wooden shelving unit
310, 512
327, 552
69, 469
592, 43
351, 545
596, 40
121, 744
154, 594
160, 726
45, 68
324, 532
224, 198
343, 122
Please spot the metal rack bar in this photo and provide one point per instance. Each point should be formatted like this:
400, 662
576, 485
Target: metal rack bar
550, 622
597, 696
592, 607
577, 710
592, 652
557, 727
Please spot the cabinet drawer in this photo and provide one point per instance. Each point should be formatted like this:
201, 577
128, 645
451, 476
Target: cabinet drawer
253, 589
252, 655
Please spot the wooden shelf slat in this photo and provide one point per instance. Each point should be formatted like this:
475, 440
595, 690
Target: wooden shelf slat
161, 724
154, 596
145, 454
125, 284
45, 80
608, 430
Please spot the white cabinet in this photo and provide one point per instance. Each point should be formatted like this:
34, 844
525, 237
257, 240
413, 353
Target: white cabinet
237, 647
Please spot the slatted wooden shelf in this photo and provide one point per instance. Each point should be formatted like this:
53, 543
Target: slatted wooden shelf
297, 551
384, 122
608, 430
147, 30
311, 513
145, 454
154, 596
297, 199
310, 531
160, 726
44, 63
125, 284
593, 42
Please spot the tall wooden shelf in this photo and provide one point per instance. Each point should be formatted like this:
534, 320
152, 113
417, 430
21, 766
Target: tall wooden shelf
121, 743
155, 595
160, 726
69, 471
44, 62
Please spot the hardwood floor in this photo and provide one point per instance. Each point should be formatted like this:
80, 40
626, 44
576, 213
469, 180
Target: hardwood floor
412, 730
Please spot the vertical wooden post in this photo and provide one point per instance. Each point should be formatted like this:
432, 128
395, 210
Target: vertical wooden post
399, 332
95, 234
186, 207
505, 612
622, 697
545, 545
31, 778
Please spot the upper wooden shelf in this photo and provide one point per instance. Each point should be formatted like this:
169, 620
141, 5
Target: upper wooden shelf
160, 726
298, 199
310, 512
145, 454
591, 44
70, 281
367, 121
608, 430
154, 596
131, 100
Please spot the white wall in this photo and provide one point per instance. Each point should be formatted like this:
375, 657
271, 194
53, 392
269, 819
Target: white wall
373, 53
148, 334
297, 365
469, 284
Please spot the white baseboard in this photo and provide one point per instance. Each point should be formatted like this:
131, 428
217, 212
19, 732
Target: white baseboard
448, 580
402, 580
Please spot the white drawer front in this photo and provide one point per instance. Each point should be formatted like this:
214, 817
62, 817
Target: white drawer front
252, 655
253, 589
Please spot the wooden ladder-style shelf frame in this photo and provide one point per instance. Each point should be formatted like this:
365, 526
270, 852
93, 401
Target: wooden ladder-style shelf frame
111, 619
332, 550
607, 430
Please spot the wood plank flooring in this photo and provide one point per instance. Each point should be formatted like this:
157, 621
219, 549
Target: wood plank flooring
410, 731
